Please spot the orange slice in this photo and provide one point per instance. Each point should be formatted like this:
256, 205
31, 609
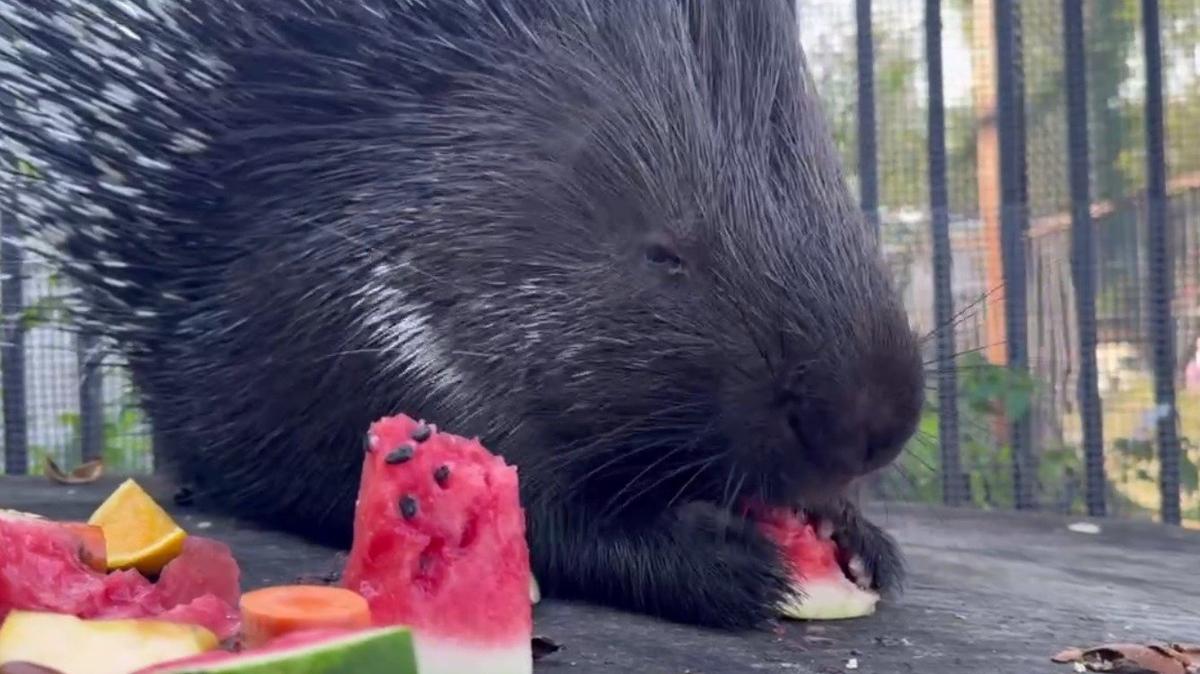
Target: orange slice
138, 533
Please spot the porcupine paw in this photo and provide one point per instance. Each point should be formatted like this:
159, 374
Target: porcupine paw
740, 577
872, 558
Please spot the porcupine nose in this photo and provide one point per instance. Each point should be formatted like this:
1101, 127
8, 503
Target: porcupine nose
850, 426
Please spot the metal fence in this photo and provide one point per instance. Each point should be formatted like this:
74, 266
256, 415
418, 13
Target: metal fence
1034, 173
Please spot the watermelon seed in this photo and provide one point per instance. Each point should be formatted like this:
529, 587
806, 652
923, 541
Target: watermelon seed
400, 454
442, 475
421, 433
408, 507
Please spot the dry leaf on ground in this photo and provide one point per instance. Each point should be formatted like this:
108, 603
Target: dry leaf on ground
84, 473
1135, 658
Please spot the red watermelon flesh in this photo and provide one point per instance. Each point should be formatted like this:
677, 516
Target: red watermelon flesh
206, 567
41, 570
439, 546
824, 591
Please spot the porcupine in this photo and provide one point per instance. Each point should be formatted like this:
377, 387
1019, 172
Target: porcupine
611, 238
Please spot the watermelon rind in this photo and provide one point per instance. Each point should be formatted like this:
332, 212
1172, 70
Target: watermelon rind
441, 655
832, 598
6, 513
387, 650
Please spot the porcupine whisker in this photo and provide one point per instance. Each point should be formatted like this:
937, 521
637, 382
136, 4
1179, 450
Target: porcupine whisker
972, 308
729, 498
686, 447
961, 367
571, 453
627, 457
623, 458
683, 488
699, 465
924, 437
610, 509
970, 351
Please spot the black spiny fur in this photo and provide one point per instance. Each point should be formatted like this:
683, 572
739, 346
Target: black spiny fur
610, 237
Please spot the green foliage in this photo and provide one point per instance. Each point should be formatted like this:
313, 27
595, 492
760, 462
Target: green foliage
916, 476
127, 445
26, 169
985, 390
49, 309
1060, 478
1142, 450
1189, 472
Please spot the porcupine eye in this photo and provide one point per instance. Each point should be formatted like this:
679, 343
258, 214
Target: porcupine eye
660, 255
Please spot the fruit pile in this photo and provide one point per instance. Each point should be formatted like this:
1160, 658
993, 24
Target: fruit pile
132, 592
129, 560
437, 581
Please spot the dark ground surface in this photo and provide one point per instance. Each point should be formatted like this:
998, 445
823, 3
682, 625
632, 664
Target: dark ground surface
989, 592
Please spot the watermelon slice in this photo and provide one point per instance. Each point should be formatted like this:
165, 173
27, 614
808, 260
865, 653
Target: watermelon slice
88, 539
821, 573
386, 650
439, 545
42, 568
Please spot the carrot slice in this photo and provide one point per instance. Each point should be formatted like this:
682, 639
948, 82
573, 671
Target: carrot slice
275, 611
92, 548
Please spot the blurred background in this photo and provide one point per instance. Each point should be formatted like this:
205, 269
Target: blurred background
1034, 173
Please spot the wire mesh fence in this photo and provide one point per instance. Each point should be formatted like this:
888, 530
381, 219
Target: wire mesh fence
68, 398
1027, 189
1034, 172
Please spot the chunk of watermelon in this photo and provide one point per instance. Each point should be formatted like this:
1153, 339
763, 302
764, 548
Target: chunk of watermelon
439, 545
823, 590
88, 540
41, 570
205, 567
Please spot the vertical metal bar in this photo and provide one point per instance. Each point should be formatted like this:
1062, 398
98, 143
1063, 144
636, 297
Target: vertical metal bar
12, 351
943, 298
1083, 256
868, 160
1014, 224
91, 396
1160, 284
